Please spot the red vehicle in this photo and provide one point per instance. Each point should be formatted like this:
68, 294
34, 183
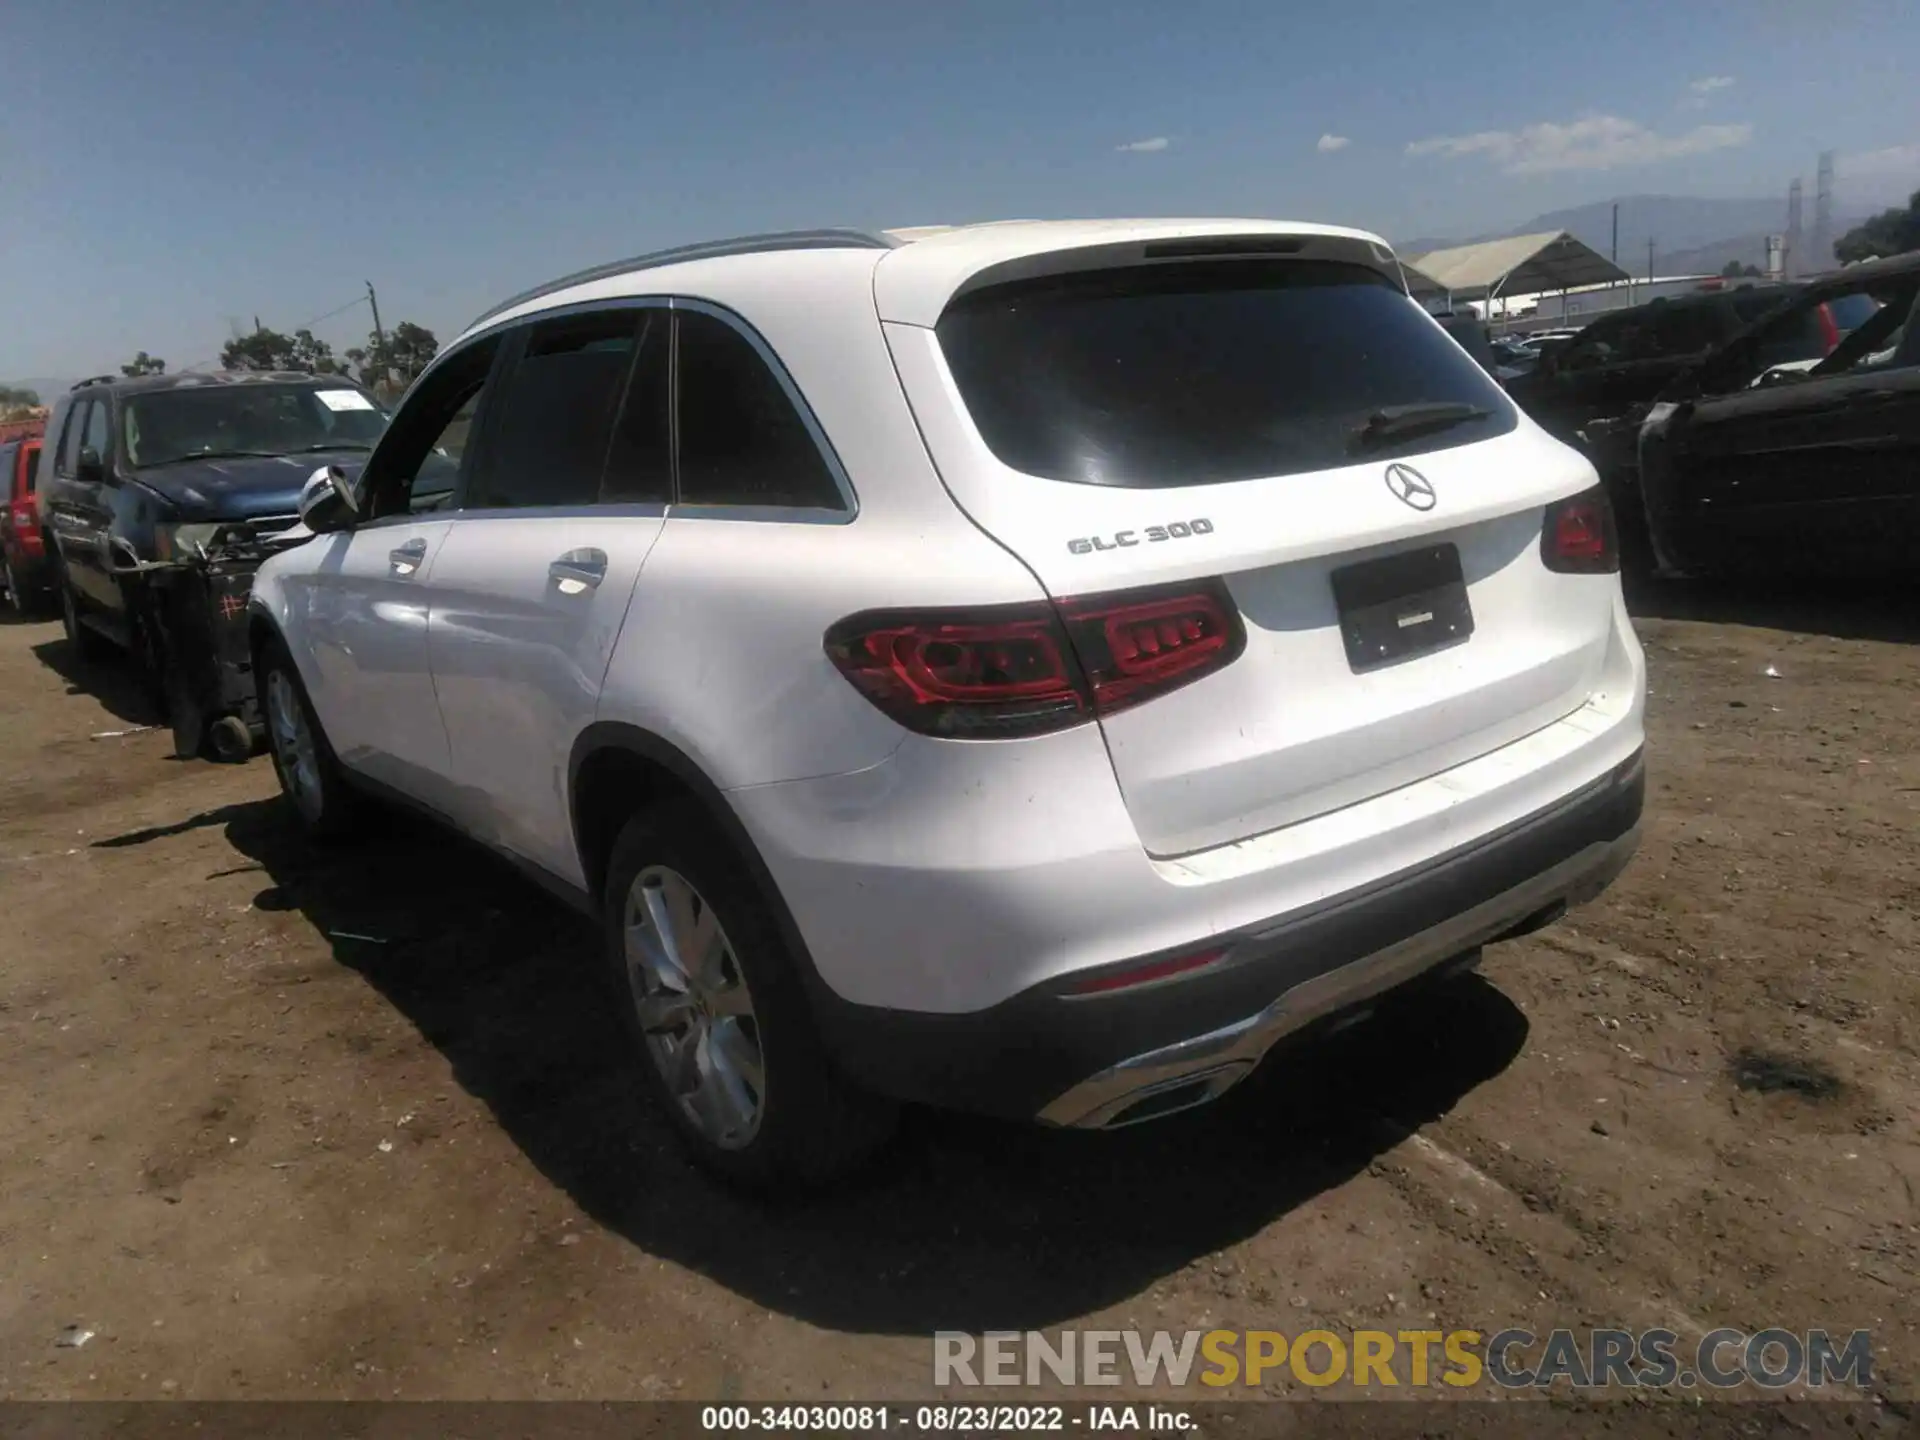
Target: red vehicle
24, 564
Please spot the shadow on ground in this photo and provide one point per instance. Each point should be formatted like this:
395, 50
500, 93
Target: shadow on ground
110, 680
1840, 612
960, 1223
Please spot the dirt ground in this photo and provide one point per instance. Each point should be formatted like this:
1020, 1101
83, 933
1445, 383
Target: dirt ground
261, 1157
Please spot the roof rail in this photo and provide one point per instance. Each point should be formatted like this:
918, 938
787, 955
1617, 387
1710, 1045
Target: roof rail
94, 380
708, 250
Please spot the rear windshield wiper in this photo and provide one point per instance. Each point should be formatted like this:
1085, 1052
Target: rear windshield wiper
329, 445
1400, 422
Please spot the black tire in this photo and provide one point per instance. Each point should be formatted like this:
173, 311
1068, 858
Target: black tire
813, 1125
90, 645
320, 797
149, 653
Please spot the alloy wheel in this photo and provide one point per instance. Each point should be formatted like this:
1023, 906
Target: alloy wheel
295, 755
694, 1007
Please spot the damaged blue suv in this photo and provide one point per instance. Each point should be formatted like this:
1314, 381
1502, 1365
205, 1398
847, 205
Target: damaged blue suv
160, 496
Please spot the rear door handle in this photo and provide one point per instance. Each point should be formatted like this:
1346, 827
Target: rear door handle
406, 559
585, 568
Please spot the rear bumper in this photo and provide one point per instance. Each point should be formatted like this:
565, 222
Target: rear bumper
1111, 1058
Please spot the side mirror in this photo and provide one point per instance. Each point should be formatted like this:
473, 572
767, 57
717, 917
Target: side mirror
89, 469
327, 501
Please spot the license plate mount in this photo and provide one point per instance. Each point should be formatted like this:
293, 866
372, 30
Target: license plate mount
1402, 606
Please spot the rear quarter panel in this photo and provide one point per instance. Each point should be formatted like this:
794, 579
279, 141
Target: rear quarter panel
723, 653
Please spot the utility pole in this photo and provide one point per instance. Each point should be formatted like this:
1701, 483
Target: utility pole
1649, 260
379, 335
1616, 233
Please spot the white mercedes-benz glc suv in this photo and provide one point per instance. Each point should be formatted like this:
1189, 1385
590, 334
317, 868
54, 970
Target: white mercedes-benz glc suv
1028, 667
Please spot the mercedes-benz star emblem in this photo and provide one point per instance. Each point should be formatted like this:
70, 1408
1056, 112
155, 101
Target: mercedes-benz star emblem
1410, 487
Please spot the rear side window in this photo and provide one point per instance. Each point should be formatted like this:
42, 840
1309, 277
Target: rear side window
741, 441
557, 409
29, 468
1202, 373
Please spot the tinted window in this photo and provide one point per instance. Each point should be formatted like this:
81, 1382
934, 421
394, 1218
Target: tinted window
1670, 332
419, 458
98, 438
1200, 373
69, 455
640, 460
1850, 312
741, 440
439, 470
29, 468
548, 442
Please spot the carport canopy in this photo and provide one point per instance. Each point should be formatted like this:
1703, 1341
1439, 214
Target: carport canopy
1419, 283
1518, 265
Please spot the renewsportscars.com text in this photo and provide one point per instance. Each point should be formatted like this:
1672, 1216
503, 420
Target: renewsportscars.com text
1510, 1359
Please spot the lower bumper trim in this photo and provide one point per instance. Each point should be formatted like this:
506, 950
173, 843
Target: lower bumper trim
1227, 1055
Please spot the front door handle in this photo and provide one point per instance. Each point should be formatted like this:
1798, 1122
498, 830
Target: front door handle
579, 568
406, 559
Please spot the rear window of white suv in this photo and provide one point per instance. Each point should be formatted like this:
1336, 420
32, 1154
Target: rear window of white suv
1204, 372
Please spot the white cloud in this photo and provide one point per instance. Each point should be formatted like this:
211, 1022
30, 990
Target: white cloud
1894, 162
1594, 142
1327, 144
1879, 177
1700, 92
1146, 147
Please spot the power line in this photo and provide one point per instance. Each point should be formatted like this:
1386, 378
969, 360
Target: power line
303, 325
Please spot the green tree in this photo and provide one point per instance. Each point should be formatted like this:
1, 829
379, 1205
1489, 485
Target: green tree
264, 349
1734, 270
314, 356
13, 399
1891, 232
144, 364
268, 349
407, 350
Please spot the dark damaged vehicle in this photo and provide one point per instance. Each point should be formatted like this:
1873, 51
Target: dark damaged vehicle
1771, 460
159, 496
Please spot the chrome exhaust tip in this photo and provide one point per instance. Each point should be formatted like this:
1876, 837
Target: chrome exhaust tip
1170, 1097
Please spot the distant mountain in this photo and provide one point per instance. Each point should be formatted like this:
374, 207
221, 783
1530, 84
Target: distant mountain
1689, 235
45, 389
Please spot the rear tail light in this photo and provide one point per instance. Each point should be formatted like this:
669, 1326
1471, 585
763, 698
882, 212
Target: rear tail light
1013, 670
1578, 536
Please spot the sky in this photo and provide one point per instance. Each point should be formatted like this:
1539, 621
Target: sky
168, 172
